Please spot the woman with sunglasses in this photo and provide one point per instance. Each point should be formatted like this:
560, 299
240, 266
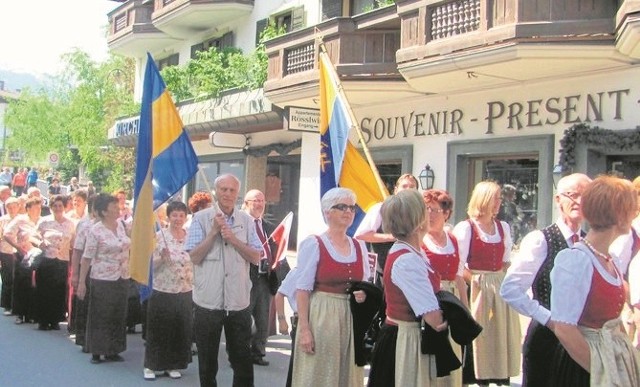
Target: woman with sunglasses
441, 248
327, 265
588, 293
485, 246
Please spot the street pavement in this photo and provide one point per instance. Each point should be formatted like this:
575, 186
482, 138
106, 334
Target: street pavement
29, 357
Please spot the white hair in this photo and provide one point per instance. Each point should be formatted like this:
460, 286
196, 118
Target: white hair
334, 196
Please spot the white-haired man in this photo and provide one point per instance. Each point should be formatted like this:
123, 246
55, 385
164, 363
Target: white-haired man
531, 269
222, 243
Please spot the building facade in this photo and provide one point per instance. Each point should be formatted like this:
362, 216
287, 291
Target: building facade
509, 90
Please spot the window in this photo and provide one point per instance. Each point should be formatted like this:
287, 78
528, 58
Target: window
172, 60
331, 9
283, 21
518, 177
360, 6
222, 42
521, 165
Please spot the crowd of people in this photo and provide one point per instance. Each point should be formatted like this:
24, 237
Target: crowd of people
452, 294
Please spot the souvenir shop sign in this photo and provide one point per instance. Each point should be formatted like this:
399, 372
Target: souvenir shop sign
515, 115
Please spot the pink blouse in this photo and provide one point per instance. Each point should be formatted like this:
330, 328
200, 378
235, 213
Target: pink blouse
176, 274
108, 252
23, 231
5, 247
57, 237
82, 229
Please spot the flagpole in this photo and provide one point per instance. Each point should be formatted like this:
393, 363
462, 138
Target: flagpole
365, 148
214, 202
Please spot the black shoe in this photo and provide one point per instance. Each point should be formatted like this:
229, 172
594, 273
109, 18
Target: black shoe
95, 359
114, 358
43, 327
258, 360
131, 330
55, 327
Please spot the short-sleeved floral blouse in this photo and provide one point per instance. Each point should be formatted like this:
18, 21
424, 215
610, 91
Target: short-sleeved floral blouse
108, 252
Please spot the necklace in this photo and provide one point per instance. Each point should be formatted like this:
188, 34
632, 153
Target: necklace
410, 246
440, 243
606, 257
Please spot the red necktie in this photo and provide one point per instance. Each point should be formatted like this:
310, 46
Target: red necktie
263, 240
575, 238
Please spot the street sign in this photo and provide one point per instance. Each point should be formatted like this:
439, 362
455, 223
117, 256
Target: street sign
54, 159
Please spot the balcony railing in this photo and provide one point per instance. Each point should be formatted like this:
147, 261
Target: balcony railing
131, 31
440, 27
356, 53
130, 17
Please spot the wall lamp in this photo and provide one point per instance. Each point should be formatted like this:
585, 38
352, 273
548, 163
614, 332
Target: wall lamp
427, 177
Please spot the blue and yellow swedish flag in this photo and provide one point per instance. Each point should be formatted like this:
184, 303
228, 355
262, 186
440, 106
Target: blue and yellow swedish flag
165, 162
341, 165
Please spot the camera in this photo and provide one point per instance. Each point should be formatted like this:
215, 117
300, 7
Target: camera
263, 267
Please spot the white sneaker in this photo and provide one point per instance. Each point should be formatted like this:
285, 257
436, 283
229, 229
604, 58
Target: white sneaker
173, 374
149, 375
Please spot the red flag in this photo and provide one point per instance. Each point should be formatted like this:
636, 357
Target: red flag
281, 236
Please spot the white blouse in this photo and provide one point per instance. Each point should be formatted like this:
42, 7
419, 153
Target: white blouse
410, 273
309, 256
448, 248
462, 232
571, 275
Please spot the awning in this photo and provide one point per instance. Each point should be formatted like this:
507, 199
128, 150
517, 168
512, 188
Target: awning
238, 112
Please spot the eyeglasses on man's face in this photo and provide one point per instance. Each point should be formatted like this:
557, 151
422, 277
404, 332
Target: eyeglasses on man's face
344, 207
575, 196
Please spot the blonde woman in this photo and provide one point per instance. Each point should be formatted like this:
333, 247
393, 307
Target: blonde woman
484, 246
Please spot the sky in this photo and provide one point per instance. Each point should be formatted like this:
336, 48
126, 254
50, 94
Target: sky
34, 34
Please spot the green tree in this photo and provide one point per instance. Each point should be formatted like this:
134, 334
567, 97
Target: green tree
214, 71
72, 115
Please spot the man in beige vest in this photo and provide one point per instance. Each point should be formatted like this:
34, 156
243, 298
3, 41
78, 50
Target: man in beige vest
222, 242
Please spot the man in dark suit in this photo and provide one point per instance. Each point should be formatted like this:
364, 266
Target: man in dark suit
254, 205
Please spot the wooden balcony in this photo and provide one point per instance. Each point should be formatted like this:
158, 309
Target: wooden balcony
363, 49
183, 18
450, 45
628, 28
131, 32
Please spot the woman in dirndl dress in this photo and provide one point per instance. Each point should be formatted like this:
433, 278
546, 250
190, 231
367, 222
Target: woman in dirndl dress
169, 325
441, 248
595, 350
327, 265
410, 284
485, 245
106, 250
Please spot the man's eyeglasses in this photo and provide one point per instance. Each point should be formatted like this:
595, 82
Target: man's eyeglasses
344, 207
437, 210
575, 196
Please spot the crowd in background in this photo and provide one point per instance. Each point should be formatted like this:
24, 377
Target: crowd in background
440, 301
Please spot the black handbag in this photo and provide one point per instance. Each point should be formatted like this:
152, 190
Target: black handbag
277, 275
